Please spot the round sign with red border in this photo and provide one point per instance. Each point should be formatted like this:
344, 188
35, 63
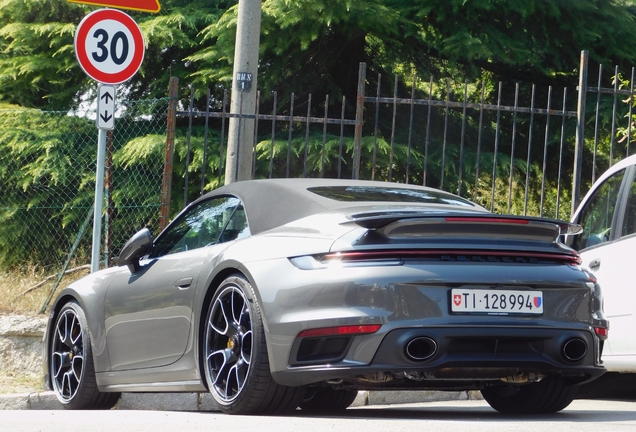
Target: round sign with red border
109, 46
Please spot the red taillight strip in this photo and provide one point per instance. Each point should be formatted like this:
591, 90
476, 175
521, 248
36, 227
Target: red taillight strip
573, 259
487, 220
341, 330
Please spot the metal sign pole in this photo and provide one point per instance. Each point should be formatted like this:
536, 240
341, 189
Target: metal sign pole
108, 67
99, 198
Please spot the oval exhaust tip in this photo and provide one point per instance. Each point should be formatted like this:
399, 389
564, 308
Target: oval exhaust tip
420, 348
574, 349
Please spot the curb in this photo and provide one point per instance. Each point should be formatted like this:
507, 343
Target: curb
25, 401
205, 402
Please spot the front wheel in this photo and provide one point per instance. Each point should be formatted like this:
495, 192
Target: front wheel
549, 395
236, 363
71, 360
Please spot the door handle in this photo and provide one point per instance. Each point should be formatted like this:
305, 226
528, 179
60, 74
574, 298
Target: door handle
183, 283
595, 264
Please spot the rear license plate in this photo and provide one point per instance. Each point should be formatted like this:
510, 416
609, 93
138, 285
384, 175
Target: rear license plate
496, 302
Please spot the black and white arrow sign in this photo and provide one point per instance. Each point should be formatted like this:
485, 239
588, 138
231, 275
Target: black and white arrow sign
106, 107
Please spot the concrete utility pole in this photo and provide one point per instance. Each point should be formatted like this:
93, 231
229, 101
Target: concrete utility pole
238, 162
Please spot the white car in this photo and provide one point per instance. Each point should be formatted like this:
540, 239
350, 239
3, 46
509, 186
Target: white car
608, 248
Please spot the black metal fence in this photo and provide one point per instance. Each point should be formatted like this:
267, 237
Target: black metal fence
514, 148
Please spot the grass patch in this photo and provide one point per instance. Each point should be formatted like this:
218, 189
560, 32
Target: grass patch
14, 283
20, 383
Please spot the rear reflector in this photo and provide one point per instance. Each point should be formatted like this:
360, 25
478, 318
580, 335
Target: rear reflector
601, 331
342, 330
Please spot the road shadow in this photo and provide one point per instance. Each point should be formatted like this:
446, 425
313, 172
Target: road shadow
611, 385
476, 412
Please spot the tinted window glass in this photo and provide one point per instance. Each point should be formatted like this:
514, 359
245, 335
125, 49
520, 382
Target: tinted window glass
596, 217
236, 227
209, 222
629, 222
379, 194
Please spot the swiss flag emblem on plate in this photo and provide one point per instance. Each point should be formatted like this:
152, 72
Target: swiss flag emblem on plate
457, 299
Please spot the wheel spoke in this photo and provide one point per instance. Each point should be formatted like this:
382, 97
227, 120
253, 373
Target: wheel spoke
76, 332
64, 389
61, 362
218, 319
61, 336
225, 354
63, 331
225, 373
219, 363
58, 363
69, 384
232, 386
230, 316
246, 347
241, 370
76, 366
238, 307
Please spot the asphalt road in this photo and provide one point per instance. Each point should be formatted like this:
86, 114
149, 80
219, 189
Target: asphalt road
473, 416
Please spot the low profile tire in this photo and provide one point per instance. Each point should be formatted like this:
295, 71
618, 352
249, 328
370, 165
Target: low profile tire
549, 395
72, 369
327, 399
236, 363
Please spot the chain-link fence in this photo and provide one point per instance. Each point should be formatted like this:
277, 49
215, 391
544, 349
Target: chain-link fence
512, 151
47, 181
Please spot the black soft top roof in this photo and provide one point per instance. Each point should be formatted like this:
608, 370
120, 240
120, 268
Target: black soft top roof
274, 202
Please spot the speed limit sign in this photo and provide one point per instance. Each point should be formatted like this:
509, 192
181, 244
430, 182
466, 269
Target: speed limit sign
109, 46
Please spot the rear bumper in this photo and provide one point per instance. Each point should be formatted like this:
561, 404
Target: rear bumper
462, 358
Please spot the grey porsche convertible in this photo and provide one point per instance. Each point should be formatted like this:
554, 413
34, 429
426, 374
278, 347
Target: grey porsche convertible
277, 295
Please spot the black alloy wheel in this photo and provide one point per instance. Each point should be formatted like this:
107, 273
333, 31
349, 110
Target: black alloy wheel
236, 362
71, 363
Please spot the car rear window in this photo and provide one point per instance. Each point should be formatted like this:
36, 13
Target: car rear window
384, 194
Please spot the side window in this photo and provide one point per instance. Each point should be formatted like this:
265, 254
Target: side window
596, 217
236, 227
213, 221
629, 221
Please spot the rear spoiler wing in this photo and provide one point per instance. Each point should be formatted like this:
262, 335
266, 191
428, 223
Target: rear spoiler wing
383, 221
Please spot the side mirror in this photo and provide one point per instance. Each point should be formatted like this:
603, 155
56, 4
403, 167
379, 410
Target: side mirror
139, 245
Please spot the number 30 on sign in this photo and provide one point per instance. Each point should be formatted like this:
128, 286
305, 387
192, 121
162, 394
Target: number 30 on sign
109, 46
